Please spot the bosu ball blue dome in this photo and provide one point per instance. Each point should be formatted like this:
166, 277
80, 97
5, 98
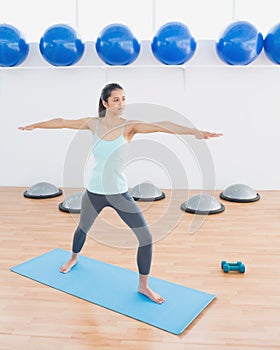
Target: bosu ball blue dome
272, 44
117, 45
239, 44
61, 45
173, 44
13, 47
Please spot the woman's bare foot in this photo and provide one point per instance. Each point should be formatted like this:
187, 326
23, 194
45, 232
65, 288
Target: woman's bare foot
151, 295
69, 264
143, 288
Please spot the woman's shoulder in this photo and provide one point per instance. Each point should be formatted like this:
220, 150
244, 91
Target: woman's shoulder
131, 122
92, 122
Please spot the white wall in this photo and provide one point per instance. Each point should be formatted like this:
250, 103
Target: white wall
241, 102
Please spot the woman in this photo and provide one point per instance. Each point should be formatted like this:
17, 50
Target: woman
107, 186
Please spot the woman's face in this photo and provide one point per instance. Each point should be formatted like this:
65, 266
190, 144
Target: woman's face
116, 102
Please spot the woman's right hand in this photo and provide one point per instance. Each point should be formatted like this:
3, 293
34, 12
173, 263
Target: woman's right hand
60, 123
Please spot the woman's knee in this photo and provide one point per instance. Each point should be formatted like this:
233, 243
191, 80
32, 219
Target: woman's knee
144, 236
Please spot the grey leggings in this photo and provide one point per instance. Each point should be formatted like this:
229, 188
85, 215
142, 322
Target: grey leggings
127, 209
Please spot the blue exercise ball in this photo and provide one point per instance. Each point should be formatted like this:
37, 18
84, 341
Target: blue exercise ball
13, 47
61, 45
240, 43
116, 45
173, 44
272, 44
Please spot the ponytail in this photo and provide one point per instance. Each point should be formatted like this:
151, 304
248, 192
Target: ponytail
101, 109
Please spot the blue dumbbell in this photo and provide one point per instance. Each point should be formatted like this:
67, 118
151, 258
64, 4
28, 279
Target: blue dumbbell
238, 266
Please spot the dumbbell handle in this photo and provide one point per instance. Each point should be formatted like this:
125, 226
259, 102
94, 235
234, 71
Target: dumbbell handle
234, 267
234, 264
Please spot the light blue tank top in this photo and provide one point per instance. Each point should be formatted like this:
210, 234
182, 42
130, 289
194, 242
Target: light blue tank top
107, 174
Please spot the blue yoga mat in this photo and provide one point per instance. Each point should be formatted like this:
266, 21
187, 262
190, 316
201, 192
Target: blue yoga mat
115, 288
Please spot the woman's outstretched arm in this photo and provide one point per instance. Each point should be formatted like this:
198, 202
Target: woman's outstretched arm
169, 127
60, 123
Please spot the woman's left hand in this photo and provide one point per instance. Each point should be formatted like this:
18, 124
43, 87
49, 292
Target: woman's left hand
204, 135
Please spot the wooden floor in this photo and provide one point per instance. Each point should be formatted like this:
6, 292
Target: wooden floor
245, 314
